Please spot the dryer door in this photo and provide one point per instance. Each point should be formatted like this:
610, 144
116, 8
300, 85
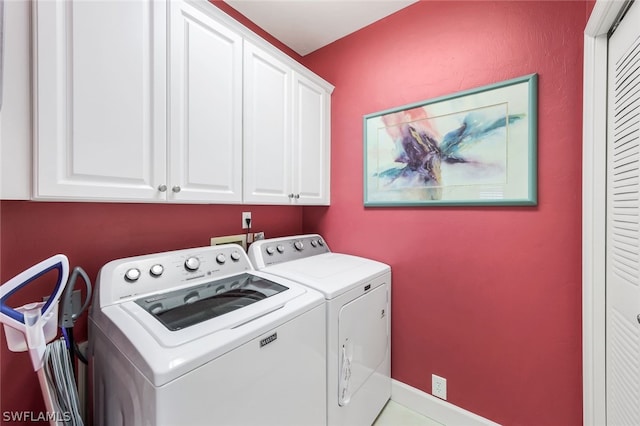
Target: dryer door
363, 330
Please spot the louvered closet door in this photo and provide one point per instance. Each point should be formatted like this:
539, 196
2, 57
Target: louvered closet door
623, 229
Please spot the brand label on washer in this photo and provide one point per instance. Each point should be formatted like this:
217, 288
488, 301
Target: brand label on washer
268, 339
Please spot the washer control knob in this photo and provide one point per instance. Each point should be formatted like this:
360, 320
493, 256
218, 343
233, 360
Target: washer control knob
156, 270
221, 258
298, 245
314, 244
192, 264
132, 275
235, 256
280, 248
320, 241
270, 250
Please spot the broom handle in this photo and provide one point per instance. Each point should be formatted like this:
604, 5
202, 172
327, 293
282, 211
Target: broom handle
46, 394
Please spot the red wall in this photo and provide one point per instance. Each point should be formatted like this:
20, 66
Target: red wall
487, 297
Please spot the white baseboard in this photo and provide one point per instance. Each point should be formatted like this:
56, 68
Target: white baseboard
435, 408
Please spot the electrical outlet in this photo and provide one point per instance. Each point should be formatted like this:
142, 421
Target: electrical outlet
439, 386
245, 216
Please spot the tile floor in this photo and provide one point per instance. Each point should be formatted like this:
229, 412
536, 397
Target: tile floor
395, 414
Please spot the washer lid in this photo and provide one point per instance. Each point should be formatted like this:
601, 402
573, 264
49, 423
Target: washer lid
183, 308
180, 323
331, 273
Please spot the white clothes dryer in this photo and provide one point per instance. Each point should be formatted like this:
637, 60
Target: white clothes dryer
358, 301
198, 337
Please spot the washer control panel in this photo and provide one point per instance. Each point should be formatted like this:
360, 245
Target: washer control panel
163, 271
277, 250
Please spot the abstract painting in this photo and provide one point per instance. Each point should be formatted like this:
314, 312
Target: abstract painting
476, 147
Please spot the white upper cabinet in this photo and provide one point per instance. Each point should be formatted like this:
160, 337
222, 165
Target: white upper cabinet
311, 136
205, 155
268, 159
286, 133
157, 101
100, 89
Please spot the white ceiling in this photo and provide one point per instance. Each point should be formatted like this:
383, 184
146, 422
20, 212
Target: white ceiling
307, 25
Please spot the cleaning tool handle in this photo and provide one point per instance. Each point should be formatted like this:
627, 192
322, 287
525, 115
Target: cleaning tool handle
34, 333
59, 262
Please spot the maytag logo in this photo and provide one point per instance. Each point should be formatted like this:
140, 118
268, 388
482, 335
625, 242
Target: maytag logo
268, 339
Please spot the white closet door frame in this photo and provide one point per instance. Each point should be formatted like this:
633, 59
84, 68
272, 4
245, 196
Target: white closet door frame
594, 169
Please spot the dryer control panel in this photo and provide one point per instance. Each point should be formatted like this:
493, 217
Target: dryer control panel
277, 250
163, 271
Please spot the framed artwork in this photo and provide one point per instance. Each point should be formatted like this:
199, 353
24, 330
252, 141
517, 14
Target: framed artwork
477, 147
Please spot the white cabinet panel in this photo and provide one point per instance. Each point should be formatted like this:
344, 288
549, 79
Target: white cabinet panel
267, 127
100, 114
311, 123
15, 115
206, 108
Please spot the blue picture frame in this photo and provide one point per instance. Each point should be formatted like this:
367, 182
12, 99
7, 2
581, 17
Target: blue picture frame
475, 147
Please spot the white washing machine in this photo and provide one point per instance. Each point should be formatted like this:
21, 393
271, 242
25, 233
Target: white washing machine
358, 301
198, 337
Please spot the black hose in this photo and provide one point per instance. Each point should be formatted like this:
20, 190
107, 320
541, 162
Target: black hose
71, 342
74, 349
79, 354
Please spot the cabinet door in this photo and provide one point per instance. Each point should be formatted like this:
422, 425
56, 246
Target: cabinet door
205, 160
100, 86
311, 141
15, 114
267, 128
